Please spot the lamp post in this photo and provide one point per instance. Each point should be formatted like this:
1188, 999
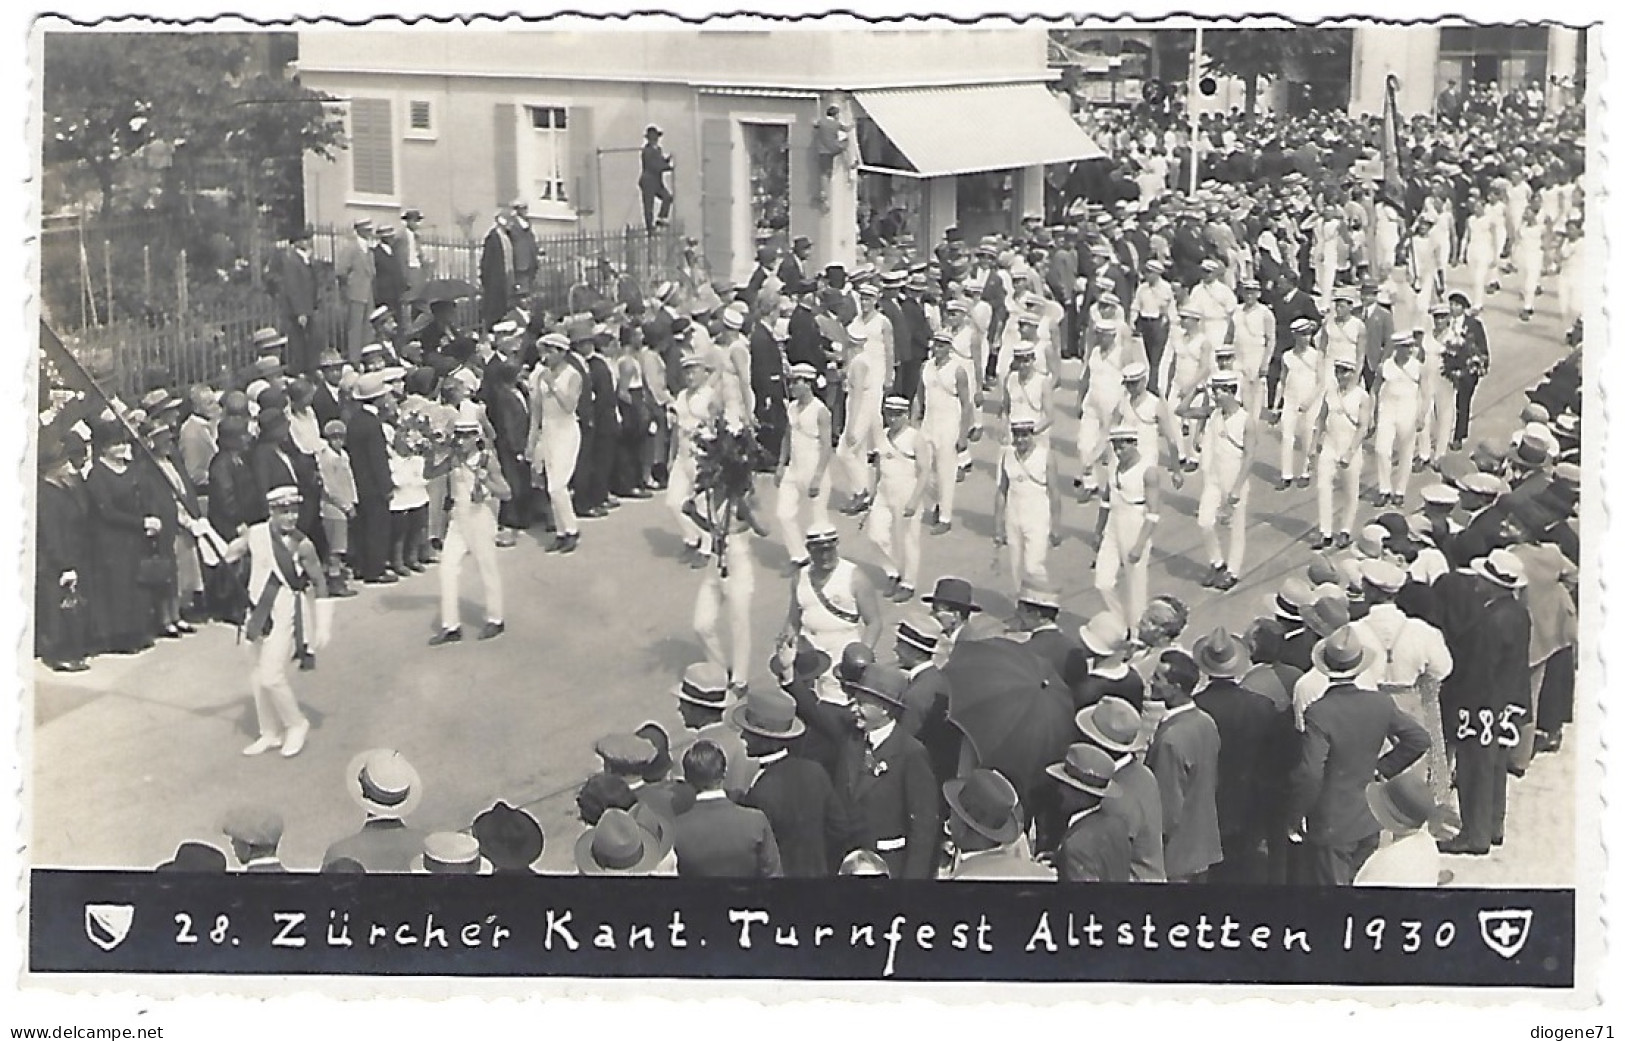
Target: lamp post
1114, 65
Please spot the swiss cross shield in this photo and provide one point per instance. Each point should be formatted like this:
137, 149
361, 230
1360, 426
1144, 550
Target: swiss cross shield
106, 925
1504, 931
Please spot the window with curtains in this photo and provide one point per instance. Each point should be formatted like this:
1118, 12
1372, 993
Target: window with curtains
549, 154
372, 147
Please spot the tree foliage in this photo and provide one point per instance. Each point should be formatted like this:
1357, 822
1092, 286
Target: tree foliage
182, 104
1259, 55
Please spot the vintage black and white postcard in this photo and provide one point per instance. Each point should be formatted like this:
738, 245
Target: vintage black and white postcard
976, 507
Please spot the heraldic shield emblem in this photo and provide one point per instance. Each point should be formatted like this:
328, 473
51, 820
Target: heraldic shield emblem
108, 924
1506, 930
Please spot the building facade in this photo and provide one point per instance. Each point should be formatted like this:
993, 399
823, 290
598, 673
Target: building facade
938, 127
1427, 59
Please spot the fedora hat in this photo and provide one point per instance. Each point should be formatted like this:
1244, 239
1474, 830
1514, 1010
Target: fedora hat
450, 853
1105, 634
923, 633
1221, 655
952, 592
1039, 594
268, 339
383, 783
1502, 567
1086, 768
863, 863
767, 712
509, 838
625, 753
703, 684
369, 385
195, 858
1112, 723
1341, 656
1402, 803
808, 663
886, 682
623, 843
1329, 612
987, 803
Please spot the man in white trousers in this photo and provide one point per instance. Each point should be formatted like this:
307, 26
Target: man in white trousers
866, 378
1026, 510
1254, 340
474, 485
1302, 374
697, 405
893, 522
970, 350
287, 593
1398, 393
555, 390
1437, 422
804, 464
1337, 446
946, 404
1227, 462
1132, 514
1184, 360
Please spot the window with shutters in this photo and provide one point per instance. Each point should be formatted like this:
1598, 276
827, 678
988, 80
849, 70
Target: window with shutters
372, 148
547, 147
420, 121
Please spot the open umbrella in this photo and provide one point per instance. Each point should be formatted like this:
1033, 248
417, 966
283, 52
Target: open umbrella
437, 289
1012, 708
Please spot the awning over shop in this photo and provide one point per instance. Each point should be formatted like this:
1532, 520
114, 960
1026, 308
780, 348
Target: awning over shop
954, 130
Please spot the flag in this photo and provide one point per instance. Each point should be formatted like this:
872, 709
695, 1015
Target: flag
1395, 163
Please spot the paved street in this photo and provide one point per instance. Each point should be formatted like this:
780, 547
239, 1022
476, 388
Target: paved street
140, 753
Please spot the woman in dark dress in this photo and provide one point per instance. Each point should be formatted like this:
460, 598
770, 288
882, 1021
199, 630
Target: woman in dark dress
62, 547
121, 527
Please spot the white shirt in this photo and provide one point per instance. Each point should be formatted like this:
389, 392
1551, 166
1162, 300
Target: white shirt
1417, 648
878, 736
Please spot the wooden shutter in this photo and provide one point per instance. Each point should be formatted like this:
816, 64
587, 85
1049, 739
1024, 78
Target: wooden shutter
717, 196
372, 146
581, 152
505, 141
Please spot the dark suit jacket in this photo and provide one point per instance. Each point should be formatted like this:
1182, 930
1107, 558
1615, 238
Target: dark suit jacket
806, 343
790, 271
369, 456
1245, 721
1094, 849
1297, 649
914, 338
926, 717
766, 372
1487, 631
1343, 736
831, 738
325, 403
389, 276
606, 416
895, 794
236, 497
1379, 330
1055, 646
719, 839
1184, 755
380, 846
799, 801
272, 472
293, 283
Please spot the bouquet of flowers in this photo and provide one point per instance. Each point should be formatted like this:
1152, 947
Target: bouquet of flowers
727, 457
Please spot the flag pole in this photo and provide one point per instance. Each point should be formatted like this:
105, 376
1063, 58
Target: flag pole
1190, 109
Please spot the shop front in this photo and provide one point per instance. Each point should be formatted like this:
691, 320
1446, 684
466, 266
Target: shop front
967, 157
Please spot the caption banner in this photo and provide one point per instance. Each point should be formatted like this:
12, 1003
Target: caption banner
383, 925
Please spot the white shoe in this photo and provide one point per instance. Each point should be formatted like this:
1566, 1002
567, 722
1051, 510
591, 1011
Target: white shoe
295, 739
263, 745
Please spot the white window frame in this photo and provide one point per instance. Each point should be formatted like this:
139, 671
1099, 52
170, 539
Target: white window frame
358, 198
545, 209
411, 133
